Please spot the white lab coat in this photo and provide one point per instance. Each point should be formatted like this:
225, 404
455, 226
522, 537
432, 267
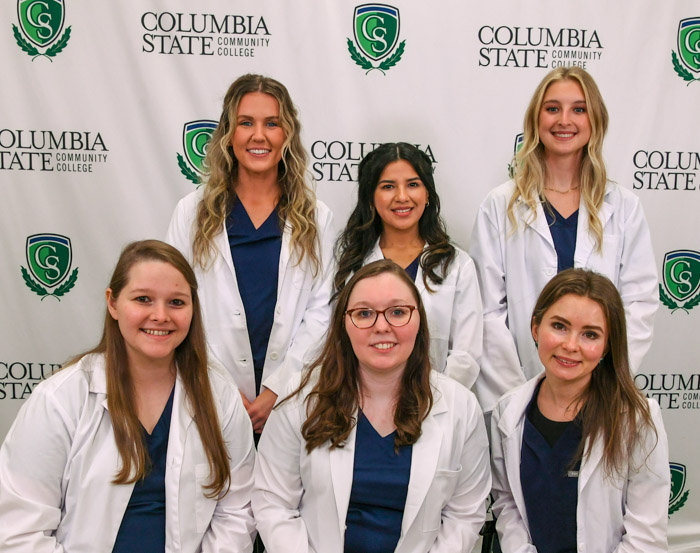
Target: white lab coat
301, 499
59, 459
513, 267
302, 312
455, 318
627, 515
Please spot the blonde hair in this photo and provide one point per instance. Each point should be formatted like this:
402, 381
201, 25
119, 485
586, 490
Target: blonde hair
297, 203
529, 162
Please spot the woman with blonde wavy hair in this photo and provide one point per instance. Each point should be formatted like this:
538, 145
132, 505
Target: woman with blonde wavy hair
559, 211
260, 242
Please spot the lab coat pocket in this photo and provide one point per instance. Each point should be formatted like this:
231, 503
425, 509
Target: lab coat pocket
204, 506
440, 492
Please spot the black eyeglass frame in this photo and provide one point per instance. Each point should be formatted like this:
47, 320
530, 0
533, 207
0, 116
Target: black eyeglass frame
377, 312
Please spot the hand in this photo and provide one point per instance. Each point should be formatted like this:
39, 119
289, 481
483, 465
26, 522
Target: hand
259, 410
246, 401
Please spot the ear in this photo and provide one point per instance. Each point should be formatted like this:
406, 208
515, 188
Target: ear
111, 303
533, 330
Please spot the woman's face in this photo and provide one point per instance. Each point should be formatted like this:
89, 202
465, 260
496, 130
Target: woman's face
258, 137
564, 126
572, 338
154, 312
382, 348
400, 197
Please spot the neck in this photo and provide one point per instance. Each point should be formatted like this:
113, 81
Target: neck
394, 238
380, 386
257, 188
561, 401
563, 173
152, 374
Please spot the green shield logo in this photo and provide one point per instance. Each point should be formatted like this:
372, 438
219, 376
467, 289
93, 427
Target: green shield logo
49, 257
195, 138
41, 21
376, 28
518, 143
677, 481
681, 273
689, 43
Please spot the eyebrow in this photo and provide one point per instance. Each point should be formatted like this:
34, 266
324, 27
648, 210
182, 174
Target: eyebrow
391, 303
393, 180
588, 327
150, 291
269, 118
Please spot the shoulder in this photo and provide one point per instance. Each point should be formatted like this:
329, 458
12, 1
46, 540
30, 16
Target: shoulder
619, 196
462, 259
514, 402
501, 194
187, 206
324, 215
458, 398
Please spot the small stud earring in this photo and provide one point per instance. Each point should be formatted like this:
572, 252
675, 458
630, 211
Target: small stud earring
427, 203
537, 344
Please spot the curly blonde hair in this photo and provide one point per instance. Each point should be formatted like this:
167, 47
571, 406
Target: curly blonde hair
297, 203
529, 162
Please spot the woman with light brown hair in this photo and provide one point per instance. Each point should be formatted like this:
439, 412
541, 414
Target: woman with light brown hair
373, 451
260, 243
139, 444
559, 211
579, 455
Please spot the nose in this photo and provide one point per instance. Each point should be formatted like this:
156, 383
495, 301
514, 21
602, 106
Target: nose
258, 133
381, 325
564, 117
159, 312
571, 342
401, 193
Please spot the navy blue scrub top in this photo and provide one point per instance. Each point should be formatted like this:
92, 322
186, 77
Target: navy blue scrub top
550, 487
142, 528
256, 259
563, 234
412, 269
378, 496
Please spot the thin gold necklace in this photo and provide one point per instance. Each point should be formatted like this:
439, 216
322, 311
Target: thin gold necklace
560, 191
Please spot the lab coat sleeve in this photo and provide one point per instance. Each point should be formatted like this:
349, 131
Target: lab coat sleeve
648, 488
278, 485
32, 463
500, 364
638, 284
466, 328
512, 530
232, 527
179, 232
309, 337
464, 513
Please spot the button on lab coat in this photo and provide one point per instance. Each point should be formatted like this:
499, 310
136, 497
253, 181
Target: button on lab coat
59, 459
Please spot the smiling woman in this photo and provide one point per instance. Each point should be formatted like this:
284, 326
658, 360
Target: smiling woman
138, 440
373, 451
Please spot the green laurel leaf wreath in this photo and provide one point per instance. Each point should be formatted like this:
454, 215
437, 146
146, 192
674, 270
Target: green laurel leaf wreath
392, 60
681, 71
692, 303
667, 301
678, 504
23, 44
67, 285
59, 45
358, 58
32, 284
185, 169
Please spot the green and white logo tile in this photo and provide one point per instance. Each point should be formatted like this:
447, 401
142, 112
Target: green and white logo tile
40, 25
678, 478
376, 32
681, 280
687, 62
195, 139
49, 258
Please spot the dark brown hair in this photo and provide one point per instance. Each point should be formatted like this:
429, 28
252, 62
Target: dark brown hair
191, 361
364, 227
614, 410
332, 404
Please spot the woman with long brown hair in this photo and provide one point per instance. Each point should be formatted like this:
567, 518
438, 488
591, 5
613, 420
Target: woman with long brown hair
140, 444
559, 211
260, 243
580, 456
374, 452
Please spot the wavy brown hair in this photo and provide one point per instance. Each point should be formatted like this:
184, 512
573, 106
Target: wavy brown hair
364, 227
614, 410
332, 404
529, 163
297, 202
191, 361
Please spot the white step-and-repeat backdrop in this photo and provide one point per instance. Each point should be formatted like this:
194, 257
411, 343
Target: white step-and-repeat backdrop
105, 107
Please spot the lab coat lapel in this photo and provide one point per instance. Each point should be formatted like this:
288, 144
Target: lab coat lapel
539, 224
342, 461
224, 248
424, 459
285, 256
589, 465
585, 243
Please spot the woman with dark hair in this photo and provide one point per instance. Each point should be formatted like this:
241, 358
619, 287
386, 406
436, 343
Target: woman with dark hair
559, 211
140, 444
397, 217
580, 457
260, 243
373, 452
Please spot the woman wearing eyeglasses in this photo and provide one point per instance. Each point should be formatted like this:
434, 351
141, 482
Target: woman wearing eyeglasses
397, 217
373, 452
